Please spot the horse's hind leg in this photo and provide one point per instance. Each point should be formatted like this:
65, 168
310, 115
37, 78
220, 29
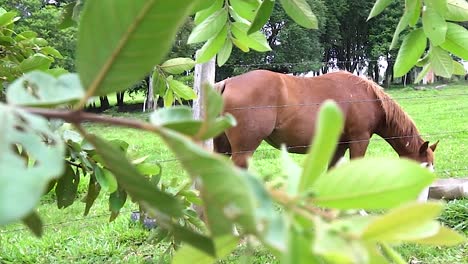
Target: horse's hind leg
339, 153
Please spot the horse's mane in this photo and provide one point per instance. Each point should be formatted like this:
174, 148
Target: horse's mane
396, 119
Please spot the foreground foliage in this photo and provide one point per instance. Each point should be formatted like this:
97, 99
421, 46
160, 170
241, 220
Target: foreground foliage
112, 55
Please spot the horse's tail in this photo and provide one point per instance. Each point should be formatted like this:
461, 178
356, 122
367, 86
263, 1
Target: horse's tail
221, 142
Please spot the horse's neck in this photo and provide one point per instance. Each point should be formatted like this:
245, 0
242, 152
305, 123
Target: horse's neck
404, 143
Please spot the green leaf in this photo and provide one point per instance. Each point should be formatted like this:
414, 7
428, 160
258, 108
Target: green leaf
256, 40
402, 24
178, 65
51, 51
201, 5
224, 53
411, 49
66, 20
262, 15
441, 62
178, 118
457, 10
197, 240
57, 72
240, 45
217, 126
444, 237
117, 200
378, 7
182, 90
212, 46
205, 13
105, 179
245, 8
189, 254
328, 130
36, 62
132, 181
32, 156
413, 10
423, 72
371, 183
409, 222
227, 204
93, 192
67, 188
34, 223
333, 246
159, 83
41, 89
116, 52
458, 68
292, 171
455, 41
439, 5
26, 35
209, 28
392, 254
7, 18
300, 12
434, 25
299, 250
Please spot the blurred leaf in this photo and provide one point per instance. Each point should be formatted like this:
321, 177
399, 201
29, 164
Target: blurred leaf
34, 223
413, 10
217, 126
413, 46
329, 127
56, 72
35, 62
334, 247
300, 12
262, 15
117, 200
441, 62
178, 65
423, 73
458, 68
178, 118
52, 52
378, 7
209, 28
7, 18
409, 222
444, 237
371, 183
392, 254
189, 254
41, 89
93, 192
125, 41
201, 5
240, 45
402, 25
32, 156
292, 171
196, 240
457, 10
132, 181
299, 249
67, 188
456, 39
159, 83
434, 25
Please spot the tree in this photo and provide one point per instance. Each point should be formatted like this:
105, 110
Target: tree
300, 232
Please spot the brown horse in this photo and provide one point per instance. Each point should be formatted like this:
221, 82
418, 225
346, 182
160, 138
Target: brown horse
282, 109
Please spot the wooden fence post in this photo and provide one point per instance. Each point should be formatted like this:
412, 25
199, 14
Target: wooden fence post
204, 73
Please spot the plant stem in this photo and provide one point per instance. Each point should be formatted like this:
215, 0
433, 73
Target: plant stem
78, 117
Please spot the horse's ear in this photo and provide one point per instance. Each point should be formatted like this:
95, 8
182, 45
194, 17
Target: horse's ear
424, 147
434, 146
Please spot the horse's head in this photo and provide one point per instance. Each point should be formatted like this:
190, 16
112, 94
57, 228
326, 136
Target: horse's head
425, 155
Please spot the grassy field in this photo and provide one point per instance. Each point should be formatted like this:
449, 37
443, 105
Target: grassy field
440, 114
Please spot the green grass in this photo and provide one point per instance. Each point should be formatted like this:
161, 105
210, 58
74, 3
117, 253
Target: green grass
71, 237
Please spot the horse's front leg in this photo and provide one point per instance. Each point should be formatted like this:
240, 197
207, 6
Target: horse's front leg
358, 146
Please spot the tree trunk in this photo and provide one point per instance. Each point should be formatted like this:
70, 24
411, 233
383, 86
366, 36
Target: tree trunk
376, 72
150, 104
104, 102
120, 99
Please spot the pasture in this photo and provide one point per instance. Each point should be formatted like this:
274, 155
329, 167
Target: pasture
440, 114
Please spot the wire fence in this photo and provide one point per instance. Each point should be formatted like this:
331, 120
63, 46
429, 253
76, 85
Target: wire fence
424, 98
